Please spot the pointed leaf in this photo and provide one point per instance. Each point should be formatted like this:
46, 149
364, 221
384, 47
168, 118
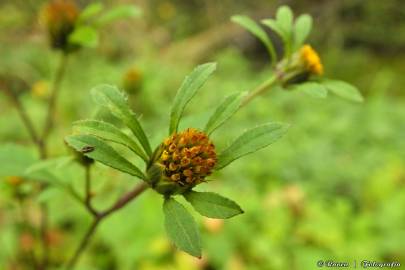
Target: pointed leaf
212, 205
251, 141
302, 29
110, 97
257, 31
103, 153
108, 132
343, 89
225, 110
312, 89
181, 227
188, 89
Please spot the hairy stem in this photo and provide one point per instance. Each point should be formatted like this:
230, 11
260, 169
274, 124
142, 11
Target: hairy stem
99, 217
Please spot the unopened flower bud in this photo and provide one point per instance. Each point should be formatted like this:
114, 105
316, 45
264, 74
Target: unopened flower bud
132, 81
60, 17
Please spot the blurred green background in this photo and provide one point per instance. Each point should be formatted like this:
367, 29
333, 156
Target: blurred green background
332, 189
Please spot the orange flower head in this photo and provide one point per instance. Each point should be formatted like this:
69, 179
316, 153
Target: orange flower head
186, 158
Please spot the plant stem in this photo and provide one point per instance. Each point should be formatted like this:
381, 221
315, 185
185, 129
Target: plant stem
24, 117
49, 121
260, 89
88, 195
99, 217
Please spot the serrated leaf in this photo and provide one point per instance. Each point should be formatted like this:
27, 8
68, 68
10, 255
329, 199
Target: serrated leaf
181, 227
119, 12
312, 89
213, 205
90, 11
343, 89
284, 17
228, 107
85, 36
251, 141
257, 31
302, 28
187, 90
110, 97
109, 132
103, 153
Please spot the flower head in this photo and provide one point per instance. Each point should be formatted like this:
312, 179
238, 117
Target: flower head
311, 60
185, 159
59, 17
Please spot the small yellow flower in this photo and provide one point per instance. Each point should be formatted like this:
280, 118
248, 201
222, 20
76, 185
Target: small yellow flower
59, 17
311, 60
187, 157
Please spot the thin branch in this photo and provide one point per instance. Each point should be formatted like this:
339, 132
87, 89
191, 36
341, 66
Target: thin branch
120, 203
49, 122
88, 195
125, 199
24, 116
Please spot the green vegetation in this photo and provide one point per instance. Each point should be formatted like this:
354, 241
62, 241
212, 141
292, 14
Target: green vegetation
332, 188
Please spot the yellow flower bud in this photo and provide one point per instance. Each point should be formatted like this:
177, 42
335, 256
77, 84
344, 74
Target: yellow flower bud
311, 60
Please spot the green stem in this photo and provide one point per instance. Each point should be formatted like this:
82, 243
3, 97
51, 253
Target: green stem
99, 217
266, 85
49, 121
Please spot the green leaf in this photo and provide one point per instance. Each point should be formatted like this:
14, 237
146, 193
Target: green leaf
312, 89
14, 159
187, 90
302, 29
257, 31
343, 89
284, 18
119, 12
181, 227
85, 36
90, 11
251, 141
225, 110
273, 25
109, 132
110, 97
103, 153
212, 205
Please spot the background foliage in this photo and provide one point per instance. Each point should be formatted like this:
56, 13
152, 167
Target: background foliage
332, 188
